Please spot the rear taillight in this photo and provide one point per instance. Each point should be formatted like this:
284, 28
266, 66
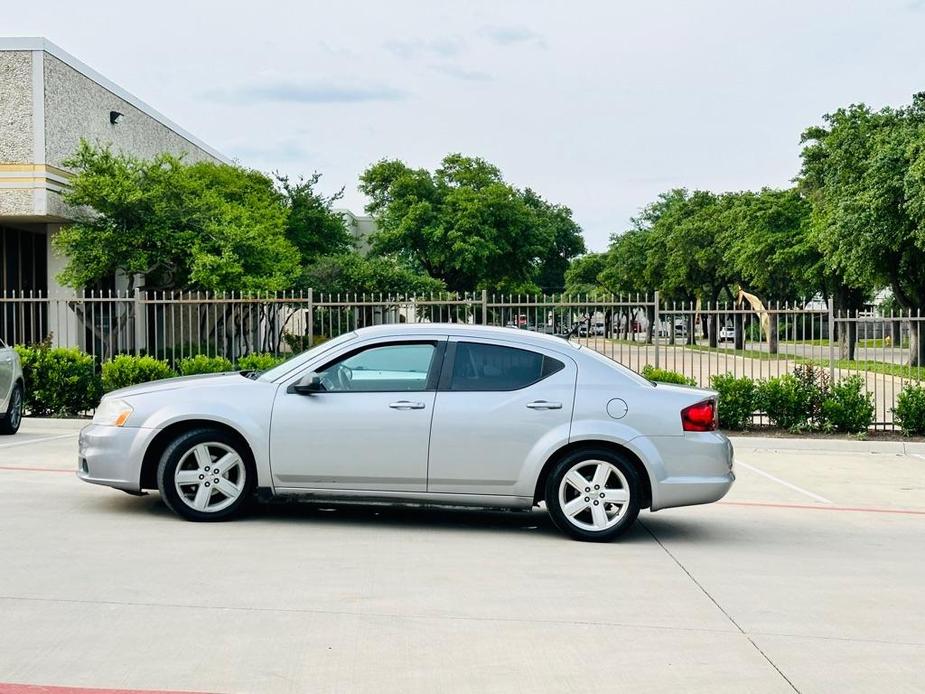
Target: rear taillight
699, 417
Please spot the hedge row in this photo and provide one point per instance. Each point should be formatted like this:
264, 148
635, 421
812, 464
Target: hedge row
63, 381
805, 400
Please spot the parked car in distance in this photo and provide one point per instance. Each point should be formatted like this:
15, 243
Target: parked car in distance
727, 334
422, 413
12, 390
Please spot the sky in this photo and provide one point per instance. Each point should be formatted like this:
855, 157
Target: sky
599, 106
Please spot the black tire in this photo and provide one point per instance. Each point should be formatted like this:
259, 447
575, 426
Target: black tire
179, 452
12, 418
624, 514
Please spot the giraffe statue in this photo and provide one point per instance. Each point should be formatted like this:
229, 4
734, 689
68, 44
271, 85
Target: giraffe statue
763, 316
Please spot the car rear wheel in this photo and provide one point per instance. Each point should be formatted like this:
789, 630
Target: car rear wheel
9, 423
593, 495
206, 475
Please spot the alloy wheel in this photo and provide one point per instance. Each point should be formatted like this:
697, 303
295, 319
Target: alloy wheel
594, 495
16, 409
210, 477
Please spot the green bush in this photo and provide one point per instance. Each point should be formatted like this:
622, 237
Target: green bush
203, 364
737, 398
59, 381
909, 412
259, 362
666, 376
787, 401
127, 370
847, 407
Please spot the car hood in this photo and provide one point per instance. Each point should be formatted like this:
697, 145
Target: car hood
200, 381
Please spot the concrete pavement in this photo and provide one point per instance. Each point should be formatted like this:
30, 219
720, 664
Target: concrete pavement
807, 577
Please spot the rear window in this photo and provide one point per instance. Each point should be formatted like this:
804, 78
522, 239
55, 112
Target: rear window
481, 367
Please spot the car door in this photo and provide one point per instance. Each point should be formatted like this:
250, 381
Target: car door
6, 375
495, 404
369, 428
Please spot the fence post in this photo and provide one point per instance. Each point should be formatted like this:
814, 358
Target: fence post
141, 316
656, 326
831, 342
484, 307
311, 316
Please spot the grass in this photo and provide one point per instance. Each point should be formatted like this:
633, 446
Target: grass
877, 367
868, 365
750, 353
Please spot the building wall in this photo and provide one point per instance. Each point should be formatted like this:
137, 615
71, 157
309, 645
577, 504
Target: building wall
77, 107
15, 107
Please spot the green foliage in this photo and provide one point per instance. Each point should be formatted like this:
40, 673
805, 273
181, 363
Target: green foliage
351, 273
59, 381
864, 173
126, 370
203, 364
768, 247
909, 412
259, 362
847, 407
313, 227
463, 224
584, 274
567, 241
204, 226
737, 400
666, 376
787, 401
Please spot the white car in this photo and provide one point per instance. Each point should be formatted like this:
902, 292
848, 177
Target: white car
727, 334
12, 390
422, 413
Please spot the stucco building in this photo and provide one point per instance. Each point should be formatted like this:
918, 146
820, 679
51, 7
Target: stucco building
49, 100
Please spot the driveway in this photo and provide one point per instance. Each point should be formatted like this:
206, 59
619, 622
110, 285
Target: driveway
807, 577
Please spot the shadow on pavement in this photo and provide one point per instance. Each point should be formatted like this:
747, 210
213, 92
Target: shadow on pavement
320, 514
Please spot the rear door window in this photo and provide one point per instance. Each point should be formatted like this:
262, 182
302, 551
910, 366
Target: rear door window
484, 367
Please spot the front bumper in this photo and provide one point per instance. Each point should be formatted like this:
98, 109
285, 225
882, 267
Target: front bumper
112, 456
697, 468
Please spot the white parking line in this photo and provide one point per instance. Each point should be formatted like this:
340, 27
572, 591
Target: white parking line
44, 438
795, 488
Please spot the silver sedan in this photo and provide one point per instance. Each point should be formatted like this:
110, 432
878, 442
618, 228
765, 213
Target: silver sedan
12, 390
422, 414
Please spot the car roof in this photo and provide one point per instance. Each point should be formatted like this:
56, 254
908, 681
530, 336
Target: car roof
526, 337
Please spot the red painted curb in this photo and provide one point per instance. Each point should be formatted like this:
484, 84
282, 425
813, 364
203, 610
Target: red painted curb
11, 688
821, 507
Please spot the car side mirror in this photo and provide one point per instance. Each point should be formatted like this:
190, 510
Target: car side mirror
309, 384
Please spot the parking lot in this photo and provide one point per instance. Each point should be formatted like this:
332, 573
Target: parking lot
809, 576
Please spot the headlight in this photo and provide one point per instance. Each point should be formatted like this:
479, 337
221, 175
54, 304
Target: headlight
112, 412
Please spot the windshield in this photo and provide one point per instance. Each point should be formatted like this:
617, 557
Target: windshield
299, 359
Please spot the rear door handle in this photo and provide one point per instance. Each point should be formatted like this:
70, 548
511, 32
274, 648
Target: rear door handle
406, 405
544, 405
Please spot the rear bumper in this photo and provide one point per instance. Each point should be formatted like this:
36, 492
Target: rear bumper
112, 456
696, 468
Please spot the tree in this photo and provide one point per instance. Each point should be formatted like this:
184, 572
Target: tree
351, 273
312, 225
203, 226
463, 224
676, 246
565, 234
583, 275
862, 171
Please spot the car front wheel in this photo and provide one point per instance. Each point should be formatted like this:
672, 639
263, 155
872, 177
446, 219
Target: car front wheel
593, 495
10, 421
206, 475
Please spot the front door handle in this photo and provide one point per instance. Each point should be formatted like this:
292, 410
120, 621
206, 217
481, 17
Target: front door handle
544, 405
406, 405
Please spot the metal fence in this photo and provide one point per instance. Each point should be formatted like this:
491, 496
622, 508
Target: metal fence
639, 330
